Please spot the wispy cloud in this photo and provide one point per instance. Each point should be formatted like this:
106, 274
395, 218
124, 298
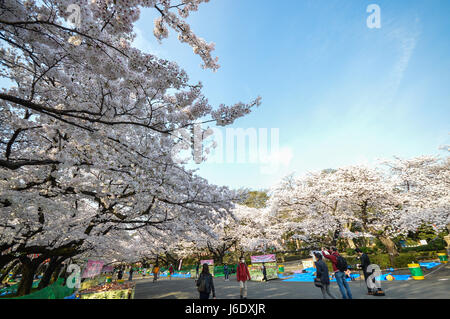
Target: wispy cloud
407, 44
406, 40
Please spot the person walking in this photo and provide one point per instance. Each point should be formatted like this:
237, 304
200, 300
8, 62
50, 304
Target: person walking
155, 273
130, 278
365, 262
264, 271
196, 270
205, 283
225, 272
243, 275
171, 271
340, 269
323, 275
120, 274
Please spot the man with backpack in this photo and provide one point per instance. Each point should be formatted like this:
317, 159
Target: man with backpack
340, 268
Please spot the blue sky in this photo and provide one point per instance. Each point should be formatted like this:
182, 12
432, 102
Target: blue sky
339, 92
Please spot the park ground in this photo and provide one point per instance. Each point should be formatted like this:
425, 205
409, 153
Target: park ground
436, 285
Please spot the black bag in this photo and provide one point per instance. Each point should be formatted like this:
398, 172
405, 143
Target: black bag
379, 292
201, 284
341, 264
317, 282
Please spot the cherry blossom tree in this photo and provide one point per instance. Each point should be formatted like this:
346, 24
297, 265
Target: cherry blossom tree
361, 201
88, 129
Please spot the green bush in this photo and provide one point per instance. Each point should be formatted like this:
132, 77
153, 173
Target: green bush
350, 251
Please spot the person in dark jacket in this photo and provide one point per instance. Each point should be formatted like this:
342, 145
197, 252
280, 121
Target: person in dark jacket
264, 271
323, 275
197, 268
120, 274
130, 278
365, 262
226, 272
208, 283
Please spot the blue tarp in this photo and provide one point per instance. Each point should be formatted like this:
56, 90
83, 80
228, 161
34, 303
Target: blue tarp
353, 276
282, 276
308, 276
429, 265
176, 275
396, 277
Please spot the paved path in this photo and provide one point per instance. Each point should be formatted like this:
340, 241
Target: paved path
436, 285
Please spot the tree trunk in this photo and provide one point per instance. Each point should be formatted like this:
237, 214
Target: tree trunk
220, 259
390, 247
447, 240
351, 243
45, 280
26, 283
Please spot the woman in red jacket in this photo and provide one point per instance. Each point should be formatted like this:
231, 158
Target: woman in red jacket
171, 272
243, 275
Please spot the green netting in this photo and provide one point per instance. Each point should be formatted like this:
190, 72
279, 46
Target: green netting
218, 270
187, 268
57, 290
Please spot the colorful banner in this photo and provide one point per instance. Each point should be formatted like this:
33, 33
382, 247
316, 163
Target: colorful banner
93, 268
263, 259
108, 269
209, 262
